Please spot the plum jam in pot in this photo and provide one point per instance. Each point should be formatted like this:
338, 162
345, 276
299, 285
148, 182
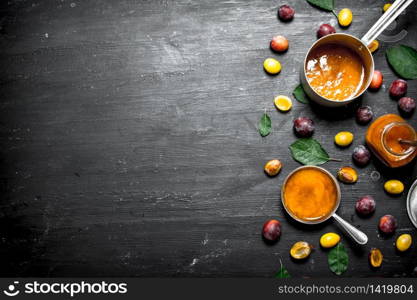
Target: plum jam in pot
383, 138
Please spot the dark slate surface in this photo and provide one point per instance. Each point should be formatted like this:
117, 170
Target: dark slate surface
129, 143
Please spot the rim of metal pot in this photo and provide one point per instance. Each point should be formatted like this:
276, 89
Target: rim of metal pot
410, 191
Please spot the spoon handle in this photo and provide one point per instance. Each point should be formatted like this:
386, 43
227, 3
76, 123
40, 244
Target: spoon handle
360, 237
390, 15
407, 142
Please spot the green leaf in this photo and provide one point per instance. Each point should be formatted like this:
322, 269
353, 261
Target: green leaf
265, 125
403, 60
338, 259
308, 151
282, 273
300, 95
323, 4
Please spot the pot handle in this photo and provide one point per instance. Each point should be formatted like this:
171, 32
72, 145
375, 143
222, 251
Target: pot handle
360, 237
390, 15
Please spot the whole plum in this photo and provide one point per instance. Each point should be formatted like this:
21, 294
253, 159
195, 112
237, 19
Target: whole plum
377, 79
387, 224
361, 155
364, 115
271, 230
279, 43
325, 29
272, 167
286, 13
407, 105
303, 127
365, 205
398, 88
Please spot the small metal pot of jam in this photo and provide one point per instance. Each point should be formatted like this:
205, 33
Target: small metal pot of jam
311, 195
338, 68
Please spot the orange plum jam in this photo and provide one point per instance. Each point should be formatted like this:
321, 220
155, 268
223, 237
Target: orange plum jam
310, 194
335, 72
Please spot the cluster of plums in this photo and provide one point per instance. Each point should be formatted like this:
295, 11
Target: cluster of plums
397, 90
365, 206
304, 127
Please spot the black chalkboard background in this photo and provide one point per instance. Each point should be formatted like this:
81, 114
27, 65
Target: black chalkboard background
129, 144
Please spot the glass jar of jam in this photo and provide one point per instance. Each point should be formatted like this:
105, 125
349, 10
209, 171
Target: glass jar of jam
383, 138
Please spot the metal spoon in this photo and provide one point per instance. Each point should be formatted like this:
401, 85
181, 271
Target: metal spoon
408, 142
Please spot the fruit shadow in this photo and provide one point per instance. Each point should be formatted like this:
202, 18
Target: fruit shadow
372, 268
270, 243
406, 115
300, 261
385, 236
402, 253
357, 249
276, 52
404, 173
335, 113
362, 217
271, 75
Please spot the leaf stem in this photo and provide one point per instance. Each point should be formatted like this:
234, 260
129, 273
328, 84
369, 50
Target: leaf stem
335, 14
334, 159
